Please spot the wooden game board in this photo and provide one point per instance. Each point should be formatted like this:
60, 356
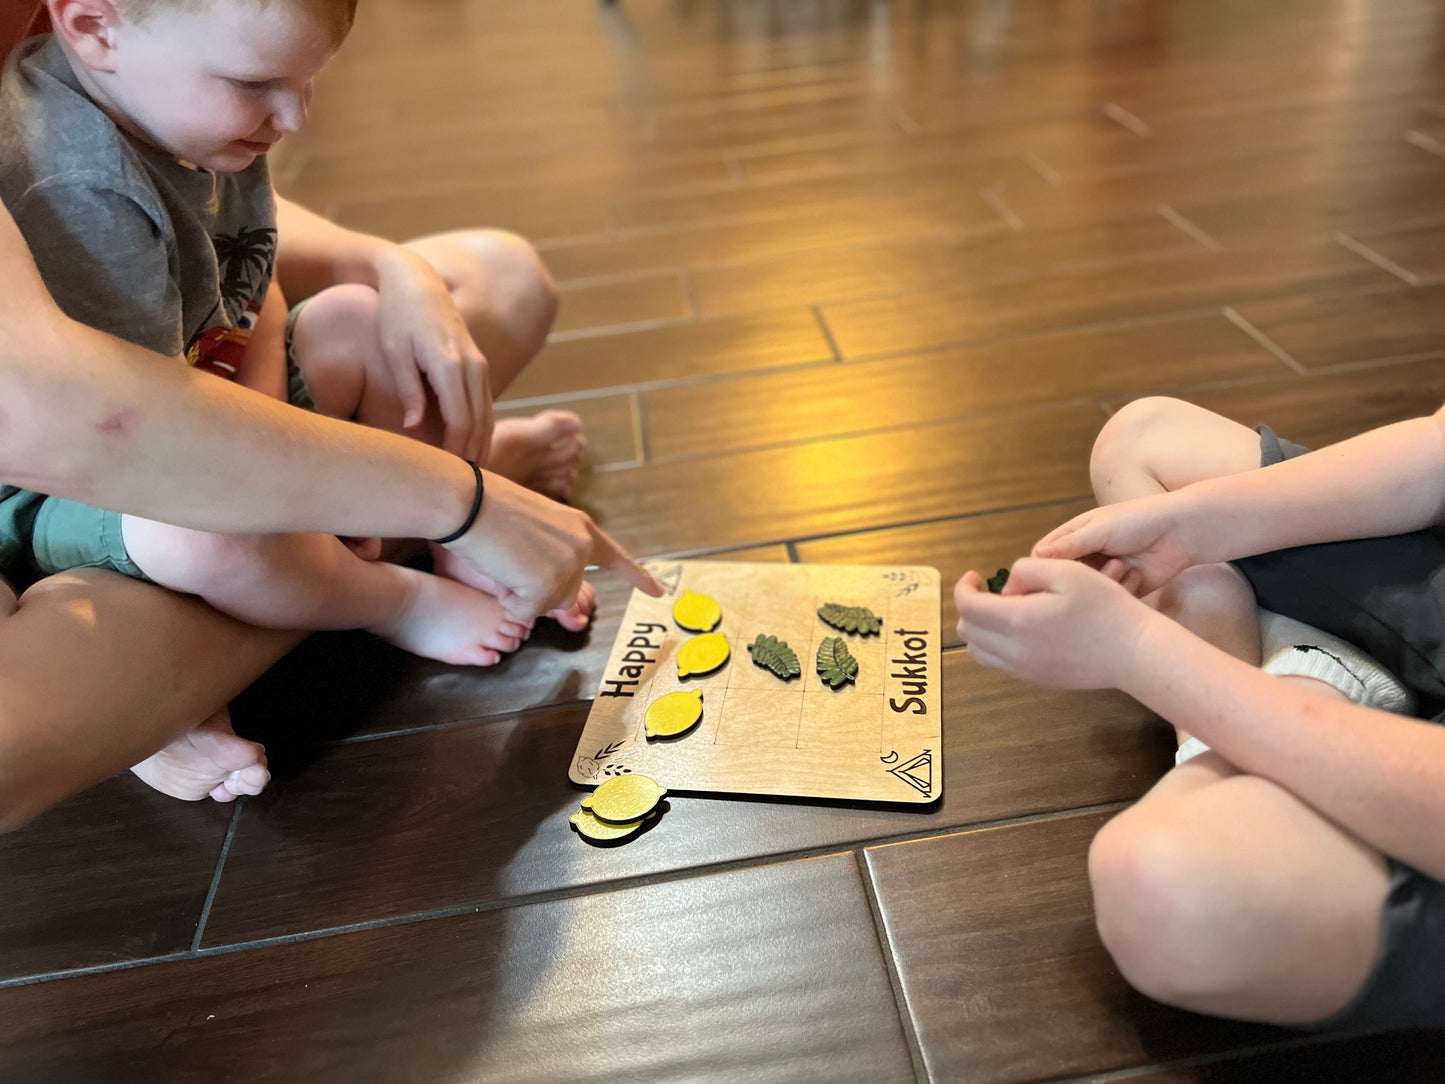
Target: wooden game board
876, 739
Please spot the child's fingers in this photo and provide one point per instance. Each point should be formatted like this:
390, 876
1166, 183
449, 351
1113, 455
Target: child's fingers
1062, 540
409, 391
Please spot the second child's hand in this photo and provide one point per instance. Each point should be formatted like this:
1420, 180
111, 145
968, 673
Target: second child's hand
1141, 544
1057, 623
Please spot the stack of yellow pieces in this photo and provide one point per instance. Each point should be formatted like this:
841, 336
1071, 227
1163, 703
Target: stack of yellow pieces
617, 810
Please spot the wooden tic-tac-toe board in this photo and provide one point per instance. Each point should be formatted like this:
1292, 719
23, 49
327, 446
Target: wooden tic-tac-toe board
878, 738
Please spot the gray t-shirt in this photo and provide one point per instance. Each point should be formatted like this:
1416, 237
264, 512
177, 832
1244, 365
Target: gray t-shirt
127, 239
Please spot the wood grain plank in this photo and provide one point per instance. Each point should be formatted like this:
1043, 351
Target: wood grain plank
464, 815
705, 979
1045, 137
1215, 136
829, 400
775, 233
1165, 284
608, 305
652, 355
929, 263
1318, 211
1005, 978
1375, 326
1319, 410
854, 483
877, 188
1326, 179
118, 872
1419, 250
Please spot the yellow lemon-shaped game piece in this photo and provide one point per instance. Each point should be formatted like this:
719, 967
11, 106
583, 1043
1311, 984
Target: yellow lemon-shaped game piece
624, 799
673, 715
602, 832
696, 613
702, 654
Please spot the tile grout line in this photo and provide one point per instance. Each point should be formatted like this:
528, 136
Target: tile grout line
994, 199
685, 277
561, 894
1125, 119
890, 964
827, 332
1232, 315
216, 877
1381, 261
639, 427
1179, 222
1042, 168
1426, 143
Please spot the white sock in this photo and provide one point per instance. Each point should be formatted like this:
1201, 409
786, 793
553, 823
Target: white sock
1292, 647
1189, 750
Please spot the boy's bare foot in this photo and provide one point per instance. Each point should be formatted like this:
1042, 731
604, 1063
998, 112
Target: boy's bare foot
574, 618
578, 616
209, 760
543, 452
450, 622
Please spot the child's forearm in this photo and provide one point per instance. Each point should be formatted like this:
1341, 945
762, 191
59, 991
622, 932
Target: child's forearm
1380, 776
1387, 481
263, 367
314, 253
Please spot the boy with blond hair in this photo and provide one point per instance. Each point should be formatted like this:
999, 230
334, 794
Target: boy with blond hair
132, 156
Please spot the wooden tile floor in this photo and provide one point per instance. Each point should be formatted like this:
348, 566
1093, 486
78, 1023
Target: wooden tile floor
842, 281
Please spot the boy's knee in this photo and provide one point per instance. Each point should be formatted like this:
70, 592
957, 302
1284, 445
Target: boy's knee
337, 315
1204, 592
1122, 442
1157, 911
503, 281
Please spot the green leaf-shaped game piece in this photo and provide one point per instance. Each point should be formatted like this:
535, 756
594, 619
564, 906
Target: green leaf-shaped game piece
997, 580
836, 663
773, 654
857, 619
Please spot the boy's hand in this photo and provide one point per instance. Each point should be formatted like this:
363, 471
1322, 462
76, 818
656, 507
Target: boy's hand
1141, 544
422, 333
1057, 624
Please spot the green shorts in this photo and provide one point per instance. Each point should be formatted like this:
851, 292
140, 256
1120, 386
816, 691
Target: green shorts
42, 535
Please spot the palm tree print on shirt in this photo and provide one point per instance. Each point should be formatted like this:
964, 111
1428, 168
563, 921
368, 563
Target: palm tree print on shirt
245, 258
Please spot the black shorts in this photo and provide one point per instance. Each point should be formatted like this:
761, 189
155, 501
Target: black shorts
1387, 596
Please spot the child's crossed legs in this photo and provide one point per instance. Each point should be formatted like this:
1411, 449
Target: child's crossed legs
1218, 891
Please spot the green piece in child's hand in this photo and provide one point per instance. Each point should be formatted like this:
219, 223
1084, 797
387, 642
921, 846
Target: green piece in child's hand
836, 664
773, 654
997, 580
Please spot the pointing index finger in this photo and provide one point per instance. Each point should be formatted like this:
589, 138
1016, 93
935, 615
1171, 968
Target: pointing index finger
608, 555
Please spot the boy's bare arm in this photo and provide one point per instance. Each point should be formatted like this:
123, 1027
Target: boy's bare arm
263, 368
1380, 776
314, 253
1386, 481
1063, 625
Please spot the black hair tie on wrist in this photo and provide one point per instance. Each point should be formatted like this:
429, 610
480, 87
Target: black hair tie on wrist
472, 515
